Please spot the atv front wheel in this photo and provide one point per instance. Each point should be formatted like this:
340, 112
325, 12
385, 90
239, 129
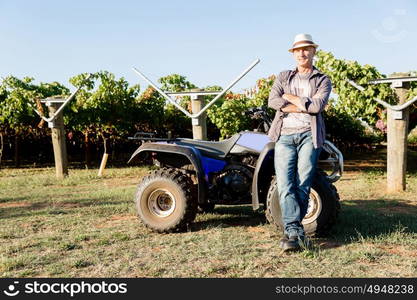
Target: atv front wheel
323, 206
164, 200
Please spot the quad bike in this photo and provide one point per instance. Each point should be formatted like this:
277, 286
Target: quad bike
196, 175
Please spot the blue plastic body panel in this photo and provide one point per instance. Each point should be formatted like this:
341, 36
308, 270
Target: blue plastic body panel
211, 165
208, 164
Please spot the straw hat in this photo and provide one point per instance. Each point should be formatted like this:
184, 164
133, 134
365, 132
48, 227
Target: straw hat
302, 40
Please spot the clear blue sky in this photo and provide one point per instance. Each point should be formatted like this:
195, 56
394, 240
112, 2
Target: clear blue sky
210, 42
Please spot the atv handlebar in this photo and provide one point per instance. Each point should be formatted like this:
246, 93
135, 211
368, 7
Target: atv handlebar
257, 113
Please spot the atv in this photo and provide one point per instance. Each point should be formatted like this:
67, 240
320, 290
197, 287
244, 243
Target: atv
194, 175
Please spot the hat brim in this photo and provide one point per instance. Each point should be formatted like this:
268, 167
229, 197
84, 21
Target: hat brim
302, 46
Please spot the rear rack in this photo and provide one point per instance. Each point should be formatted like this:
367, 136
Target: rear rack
148, 136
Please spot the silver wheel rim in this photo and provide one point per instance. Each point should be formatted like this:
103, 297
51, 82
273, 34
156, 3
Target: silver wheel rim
161, 203
314, 207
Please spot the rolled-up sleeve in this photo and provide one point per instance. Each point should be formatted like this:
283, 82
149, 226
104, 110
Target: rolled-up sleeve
318, 102
275, 99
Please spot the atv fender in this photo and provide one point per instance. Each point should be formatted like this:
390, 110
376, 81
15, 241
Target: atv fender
262, 171
191, 154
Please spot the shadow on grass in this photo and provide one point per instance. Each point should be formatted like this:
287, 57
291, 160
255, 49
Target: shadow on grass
13, 199
30, 209
376, 161
229, 216
358, 219
374, 219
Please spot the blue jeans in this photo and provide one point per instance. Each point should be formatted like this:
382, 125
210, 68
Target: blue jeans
295, 165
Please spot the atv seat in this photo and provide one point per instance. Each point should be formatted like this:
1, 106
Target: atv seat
217, 150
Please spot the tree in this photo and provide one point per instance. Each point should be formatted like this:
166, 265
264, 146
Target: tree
175, 120
16, 98
149, 111
228, 113
107, 111
355, 103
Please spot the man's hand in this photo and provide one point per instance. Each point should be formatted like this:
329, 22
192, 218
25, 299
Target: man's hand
295, 100
291, 108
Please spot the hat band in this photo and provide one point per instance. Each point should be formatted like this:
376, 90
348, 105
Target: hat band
302, 42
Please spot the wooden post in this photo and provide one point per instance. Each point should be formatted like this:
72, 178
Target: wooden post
103, 164
106, 143
397, 142
17, 149
1, 146
200, 123
58, 141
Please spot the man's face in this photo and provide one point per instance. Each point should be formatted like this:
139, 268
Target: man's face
304, 56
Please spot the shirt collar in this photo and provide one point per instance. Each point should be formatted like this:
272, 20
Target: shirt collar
314, 72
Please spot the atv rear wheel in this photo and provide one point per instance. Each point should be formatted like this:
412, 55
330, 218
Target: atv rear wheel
323, 206
164, 200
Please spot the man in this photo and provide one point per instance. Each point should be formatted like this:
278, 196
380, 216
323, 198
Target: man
298, 96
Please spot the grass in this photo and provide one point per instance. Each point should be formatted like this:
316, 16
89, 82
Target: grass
86, 226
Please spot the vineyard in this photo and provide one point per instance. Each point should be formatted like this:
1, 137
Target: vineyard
108, 110
85, 225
